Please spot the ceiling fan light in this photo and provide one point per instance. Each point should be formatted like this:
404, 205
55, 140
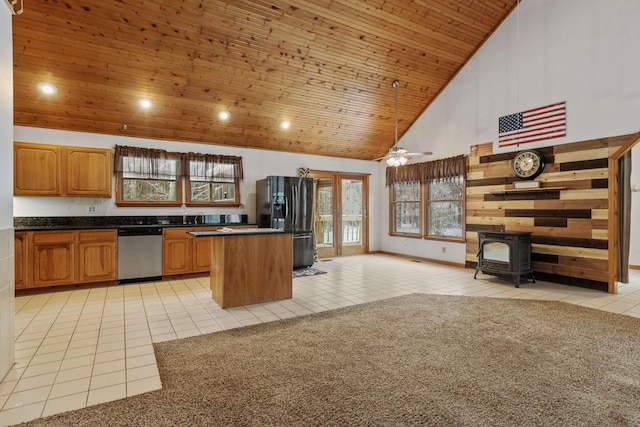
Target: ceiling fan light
403, 160
392, 161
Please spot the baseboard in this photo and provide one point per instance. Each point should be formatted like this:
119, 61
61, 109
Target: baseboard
421, 259
634, 267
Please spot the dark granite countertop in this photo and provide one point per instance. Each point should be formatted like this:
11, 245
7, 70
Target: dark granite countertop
116, 222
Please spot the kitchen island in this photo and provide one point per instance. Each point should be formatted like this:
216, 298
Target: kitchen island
249, 266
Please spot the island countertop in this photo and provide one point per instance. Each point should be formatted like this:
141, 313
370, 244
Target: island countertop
237, 231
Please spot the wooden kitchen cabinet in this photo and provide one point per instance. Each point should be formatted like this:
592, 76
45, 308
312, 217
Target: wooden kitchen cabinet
183, 253
52, 170
52, 258
97, 255
36, 170
87, 171
176, 251
22, 247
201, 257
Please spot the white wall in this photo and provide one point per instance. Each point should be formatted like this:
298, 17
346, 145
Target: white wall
257, 164
6, 194
584, 52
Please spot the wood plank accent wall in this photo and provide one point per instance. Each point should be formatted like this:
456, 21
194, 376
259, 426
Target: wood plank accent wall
568, 222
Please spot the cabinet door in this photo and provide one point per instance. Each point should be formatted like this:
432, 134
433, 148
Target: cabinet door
87, 172
53, 259
97, 256
21, 258
175, 256
36, 170
201, 256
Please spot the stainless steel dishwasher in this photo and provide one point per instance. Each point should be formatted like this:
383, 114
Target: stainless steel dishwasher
139, 253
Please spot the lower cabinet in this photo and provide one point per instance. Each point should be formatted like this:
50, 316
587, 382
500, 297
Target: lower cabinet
183, 253
201, 257
65, 257
176, 251
53, 258
97, 256
22, 248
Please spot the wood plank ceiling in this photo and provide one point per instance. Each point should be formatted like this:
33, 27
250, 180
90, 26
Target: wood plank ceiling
324, 65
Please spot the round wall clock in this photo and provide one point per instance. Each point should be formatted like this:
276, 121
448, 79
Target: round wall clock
527, 164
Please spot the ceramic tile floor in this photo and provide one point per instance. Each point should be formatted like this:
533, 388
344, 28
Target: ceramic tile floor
80, 347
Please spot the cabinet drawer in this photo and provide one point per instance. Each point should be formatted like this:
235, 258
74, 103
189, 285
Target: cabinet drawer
44, 237
97, 236
176, 233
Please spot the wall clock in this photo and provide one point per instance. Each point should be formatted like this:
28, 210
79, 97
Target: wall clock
527, 164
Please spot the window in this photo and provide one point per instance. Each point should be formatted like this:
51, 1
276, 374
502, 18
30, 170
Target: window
151, 177
435, 188
147, 177
213, 180
445, 208
406, 208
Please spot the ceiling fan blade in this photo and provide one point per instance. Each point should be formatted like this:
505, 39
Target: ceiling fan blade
422, 153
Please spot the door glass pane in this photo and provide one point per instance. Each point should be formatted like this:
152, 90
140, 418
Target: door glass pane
352, 212
324, 212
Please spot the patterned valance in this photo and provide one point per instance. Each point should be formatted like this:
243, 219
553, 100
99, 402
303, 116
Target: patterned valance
151, 163
214, 167
147, 163
428, 171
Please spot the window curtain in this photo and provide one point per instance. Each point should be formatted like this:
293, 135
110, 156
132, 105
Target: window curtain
624, 216
146, 163
428, 171
213, 168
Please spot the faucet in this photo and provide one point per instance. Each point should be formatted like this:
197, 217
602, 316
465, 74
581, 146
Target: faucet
201, 215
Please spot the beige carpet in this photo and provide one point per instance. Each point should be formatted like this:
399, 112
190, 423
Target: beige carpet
418, 360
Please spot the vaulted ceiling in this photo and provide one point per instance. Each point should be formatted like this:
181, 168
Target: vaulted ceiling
327, 66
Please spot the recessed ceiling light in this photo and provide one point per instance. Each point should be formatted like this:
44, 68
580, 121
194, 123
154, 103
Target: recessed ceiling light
47, 88
145, 103
285, 124
224, 115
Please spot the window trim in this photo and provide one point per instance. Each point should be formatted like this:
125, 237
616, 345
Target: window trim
392, 204
424, 173
213, 158
188, 202
426, 235
118, 168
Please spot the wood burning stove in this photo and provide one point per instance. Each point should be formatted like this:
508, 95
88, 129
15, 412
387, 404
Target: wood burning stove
505, 254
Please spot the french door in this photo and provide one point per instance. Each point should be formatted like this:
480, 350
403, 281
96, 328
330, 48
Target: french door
340, 213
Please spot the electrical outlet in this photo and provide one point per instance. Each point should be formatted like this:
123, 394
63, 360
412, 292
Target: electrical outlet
92, 209
444, 249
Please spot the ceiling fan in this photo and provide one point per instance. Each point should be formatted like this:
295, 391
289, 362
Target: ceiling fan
398, 156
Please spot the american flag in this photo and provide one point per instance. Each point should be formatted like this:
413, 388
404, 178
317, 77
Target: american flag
533, 125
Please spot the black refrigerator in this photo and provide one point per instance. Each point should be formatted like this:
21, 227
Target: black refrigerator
286, 203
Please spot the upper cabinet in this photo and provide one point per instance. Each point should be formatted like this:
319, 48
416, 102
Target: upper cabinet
36, 170
52, 170
87, 171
